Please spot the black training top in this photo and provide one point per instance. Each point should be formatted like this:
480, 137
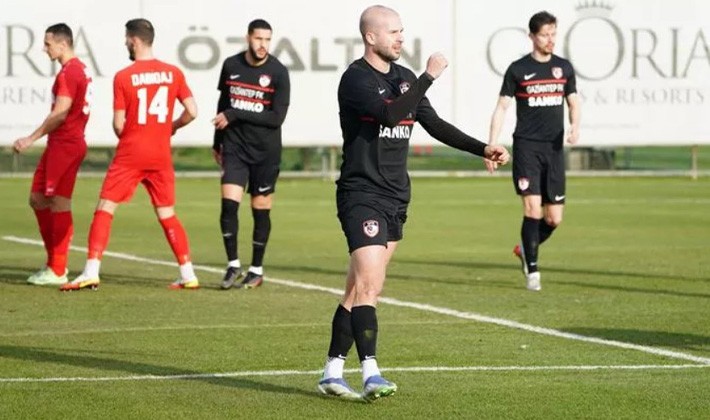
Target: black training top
255, 101
539, 90
377, 113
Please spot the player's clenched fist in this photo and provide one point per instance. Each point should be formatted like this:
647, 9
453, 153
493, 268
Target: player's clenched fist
436, 64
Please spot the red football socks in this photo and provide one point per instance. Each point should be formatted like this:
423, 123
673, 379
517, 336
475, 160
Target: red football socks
99, 234
62, 232
44, 220
177, 237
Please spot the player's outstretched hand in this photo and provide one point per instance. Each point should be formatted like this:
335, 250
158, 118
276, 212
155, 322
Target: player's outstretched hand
436, 64
220, 121
497, 154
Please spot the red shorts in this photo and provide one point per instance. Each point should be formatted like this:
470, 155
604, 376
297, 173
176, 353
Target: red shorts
121, 182
57, 169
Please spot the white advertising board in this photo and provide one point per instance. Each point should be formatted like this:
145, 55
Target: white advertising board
643, 66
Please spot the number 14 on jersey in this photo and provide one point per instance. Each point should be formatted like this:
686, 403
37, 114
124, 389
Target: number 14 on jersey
157, 105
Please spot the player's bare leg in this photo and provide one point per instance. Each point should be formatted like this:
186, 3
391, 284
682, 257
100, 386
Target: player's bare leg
366, 275
332, 382
369, 266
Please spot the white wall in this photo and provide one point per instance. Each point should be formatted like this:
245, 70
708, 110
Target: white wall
647, 63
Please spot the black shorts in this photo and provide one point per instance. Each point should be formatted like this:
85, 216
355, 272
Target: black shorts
368, 219
539, 169
260, 177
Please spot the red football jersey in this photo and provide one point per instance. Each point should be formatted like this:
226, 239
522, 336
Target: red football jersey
74, 81
146, 90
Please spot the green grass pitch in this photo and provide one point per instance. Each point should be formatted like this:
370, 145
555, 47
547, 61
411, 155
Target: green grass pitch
628, 271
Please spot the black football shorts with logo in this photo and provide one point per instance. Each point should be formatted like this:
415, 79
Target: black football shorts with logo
367, 219
539, 169
260, 178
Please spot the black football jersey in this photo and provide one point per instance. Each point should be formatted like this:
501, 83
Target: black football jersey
377, 115
539, 90
255, 100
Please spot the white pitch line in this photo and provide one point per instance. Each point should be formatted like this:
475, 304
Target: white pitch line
419, 306
258, 373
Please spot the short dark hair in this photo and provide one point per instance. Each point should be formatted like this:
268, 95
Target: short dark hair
538, 20
141, 29
258, 24
62, 30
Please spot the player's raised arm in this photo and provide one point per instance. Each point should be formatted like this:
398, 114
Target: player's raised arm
360, 91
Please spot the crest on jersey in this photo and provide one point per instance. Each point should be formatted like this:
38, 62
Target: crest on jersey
371, 228
264, 80
404, 87
523, 183
557, 72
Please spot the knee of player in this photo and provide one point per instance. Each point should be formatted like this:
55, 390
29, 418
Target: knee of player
533, 211
38, 203
371, 289
553, 220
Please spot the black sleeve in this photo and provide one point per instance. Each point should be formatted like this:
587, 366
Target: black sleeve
272, 118
359, 90
509, 85
571, 85
445, 132
222, 104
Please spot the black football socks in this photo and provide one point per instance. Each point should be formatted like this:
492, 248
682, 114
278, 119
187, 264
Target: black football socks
229, 222
262, 229
530, 234
364, 324
341, 338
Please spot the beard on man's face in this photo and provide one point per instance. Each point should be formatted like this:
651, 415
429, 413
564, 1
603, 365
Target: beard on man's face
256, 55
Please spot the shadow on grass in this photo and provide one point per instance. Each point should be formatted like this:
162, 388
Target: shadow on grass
588, 272
340, 276
637, 290
14, 275
41, 355
553, 269
648, 338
